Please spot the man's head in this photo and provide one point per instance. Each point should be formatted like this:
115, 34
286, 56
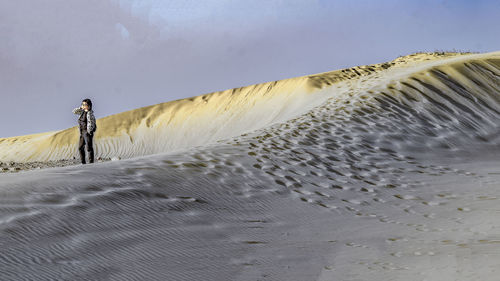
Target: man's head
87, 104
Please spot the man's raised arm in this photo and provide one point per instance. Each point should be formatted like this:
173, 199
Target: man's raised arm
77, 110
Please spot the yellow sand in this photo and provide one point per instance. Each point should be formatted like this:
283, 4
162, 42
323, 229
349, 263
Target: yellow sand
205, 119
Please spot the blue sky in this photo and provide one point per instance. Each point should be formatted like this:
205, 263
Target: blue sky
125, 54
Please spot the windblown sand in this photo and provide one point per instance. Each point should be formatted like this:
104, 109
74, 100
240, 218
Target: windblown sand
381, 172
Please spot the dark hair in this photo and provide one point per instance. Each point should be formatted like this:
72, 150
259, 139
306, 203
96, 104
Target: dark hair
89, 102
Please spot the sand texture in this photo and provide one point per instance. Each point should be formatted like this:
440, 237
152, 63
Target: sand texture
384, 172
197, 121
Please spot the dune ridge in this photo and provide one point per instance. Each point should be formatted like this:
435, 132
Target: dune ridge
208, 118
394, 177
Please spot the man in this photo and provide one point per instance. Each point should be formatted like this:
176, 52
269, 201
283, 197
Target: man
87, 126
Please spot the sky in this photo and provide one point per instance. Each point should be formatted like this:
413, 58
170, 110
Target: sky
126, 54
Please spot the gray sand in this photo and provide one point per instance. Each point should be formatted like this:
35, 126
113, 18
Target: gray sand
399, 183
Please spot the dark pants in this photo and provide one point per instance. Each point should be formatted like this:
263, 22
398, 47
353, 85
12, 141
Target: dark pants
86, 138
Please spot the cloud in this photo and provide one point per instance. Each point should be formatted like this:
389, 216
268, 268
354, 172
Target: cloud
123, 30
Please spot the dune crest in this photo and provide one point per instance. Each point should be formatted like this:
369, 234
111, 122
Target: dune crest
394, 175
208, 118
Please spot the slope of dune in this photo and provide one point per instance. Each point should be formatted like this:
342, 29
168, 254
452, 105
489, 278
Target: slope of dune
208, 118
389, 173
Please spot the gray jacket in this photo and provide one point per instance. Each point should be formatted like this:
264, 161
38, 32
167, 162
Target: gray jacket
91, 124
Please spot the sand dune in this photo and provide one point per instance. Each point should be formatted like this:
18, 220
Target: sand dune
205, 119
385, 172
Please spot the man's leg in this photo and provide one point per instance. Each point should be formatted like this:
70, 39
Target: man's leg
90, 147
81, 147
